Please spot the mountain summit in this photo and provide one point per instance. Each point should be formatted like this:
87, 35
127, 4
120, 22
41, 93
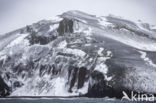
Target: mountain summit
79, 54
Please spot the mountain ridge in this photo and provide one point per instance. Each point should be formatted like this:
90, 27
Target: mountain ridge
79, 54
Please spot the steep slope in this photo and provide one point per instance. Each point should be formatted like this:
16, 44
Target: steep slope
78, 55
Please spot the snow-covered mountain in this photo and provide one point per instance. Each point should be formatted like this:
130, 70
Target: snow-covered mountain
78, 54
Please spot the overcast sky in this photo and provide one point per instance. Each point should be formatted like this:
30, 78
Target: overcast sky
19, 13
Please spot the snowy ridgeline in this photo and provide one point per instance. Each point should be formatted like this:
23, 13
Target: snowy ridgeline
78, 54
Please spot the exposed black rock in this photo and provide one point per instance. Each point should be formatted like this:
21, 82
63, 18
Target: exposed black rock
4, 89
65, 26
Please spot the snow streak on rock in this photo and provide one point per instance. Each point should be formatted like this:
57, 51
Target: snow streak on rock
146, 59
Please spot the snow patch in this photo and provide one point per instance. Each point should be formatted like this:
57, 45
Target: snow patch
44, 86
146, 59
83, 21
108, 78
88, 31
59, 87
62, 44
100, 51
76, 52
103, 21
18, 40
53, 27
101, 68
3, 57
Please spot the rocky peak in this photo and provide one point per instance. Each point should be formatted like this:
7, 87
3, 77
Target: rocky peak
78, 55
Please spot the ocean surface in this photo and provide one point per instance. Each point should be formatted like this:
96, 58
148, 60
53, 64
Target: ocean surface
64, 100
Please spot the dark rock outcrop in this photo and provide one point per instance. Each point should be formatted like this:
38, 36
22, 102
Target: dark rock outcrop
4, 89
65, 26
